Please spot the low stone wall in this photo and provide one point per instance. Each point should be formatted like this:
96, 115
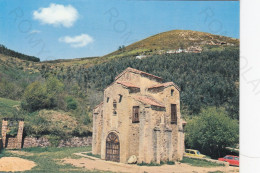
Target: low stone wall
30, 142
12, 143
76, 142
44, 142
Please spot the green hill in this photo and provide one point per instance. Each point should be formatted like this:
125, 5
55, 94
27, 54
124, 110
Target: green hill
209, 78
159, 44
174, 40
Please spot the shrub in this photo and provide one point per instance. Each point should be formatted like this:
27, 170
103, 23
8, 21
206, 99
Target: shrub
211, 131
42, 95
71, 103
35, 97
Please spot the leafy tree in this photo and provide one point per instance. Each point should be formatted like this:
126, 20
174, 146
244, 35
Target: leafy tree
54, 88
42, 95
35, 97
211, 131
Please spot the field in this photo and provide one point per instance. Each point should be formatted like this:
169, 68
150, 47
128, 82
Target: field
48, 159
53, 159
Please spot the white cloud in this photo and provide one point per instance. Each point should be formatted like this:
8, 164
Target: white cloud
77, 41
35, 31
57, 15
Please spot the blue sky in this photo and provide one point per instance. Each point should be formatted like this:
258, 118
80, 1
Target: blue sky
54, 29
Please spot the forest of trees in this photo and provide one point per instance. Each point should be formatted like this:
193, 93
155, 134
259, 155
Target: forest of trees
209, 79
206, 79
8, 52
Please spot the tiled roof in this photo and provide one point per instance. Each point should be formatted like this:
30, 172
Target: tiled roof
127, 84
165, 85
100, 104
148, 100
129, 69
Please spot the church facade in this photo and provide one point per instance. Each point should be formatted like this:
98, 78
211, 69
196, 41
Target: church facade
140, 115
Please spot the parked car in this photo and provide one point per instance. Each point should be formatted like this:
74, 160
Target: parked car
232, 160
193, 153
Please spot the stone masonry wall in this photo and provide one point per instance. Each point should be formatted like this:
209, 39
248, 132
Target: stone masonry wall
12, 142
44, 142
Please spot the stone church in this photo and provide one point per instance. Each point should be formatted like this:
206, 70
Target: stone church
140, 115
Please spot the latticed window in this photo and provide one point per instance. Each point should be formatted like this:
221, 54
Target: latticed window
114, 107
114, 104
135, 116
173, 114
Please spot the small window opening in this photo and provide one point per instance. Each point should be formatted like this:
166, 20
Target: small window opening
120, 98
173, 114
172, 91
135, 116
107, 99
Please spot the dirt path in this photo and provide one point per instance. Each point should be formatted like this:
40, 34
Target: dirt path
12, 164
91, 163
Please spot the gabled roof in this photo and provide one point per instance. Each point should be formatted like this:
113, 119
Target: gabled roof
165, 85
129, 69
148, 100
127, 84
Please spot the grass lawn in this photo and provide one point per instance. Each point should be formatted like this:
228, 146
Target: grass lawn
199, 162
7, 107
49, 159
94, 155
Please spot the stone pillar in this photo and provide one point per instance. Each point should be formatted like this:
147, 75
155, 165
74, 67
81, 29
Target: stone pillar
146, 149
141, 137
162, 140
158, 146
169, 144
4, 131
94, 134
20, 135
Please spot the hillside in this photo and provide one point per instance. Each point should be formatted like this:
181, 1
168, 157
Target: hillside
208, 78
162, 43
8, 52
170, 41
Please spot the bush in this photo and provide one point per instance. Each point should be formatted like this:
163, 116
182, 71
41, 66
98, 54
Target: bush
211, 131
35, 97
71, 103
42, 95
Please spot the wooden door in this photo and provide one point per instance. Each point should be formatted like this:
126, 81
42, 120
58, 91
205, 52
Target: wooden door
112, 147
